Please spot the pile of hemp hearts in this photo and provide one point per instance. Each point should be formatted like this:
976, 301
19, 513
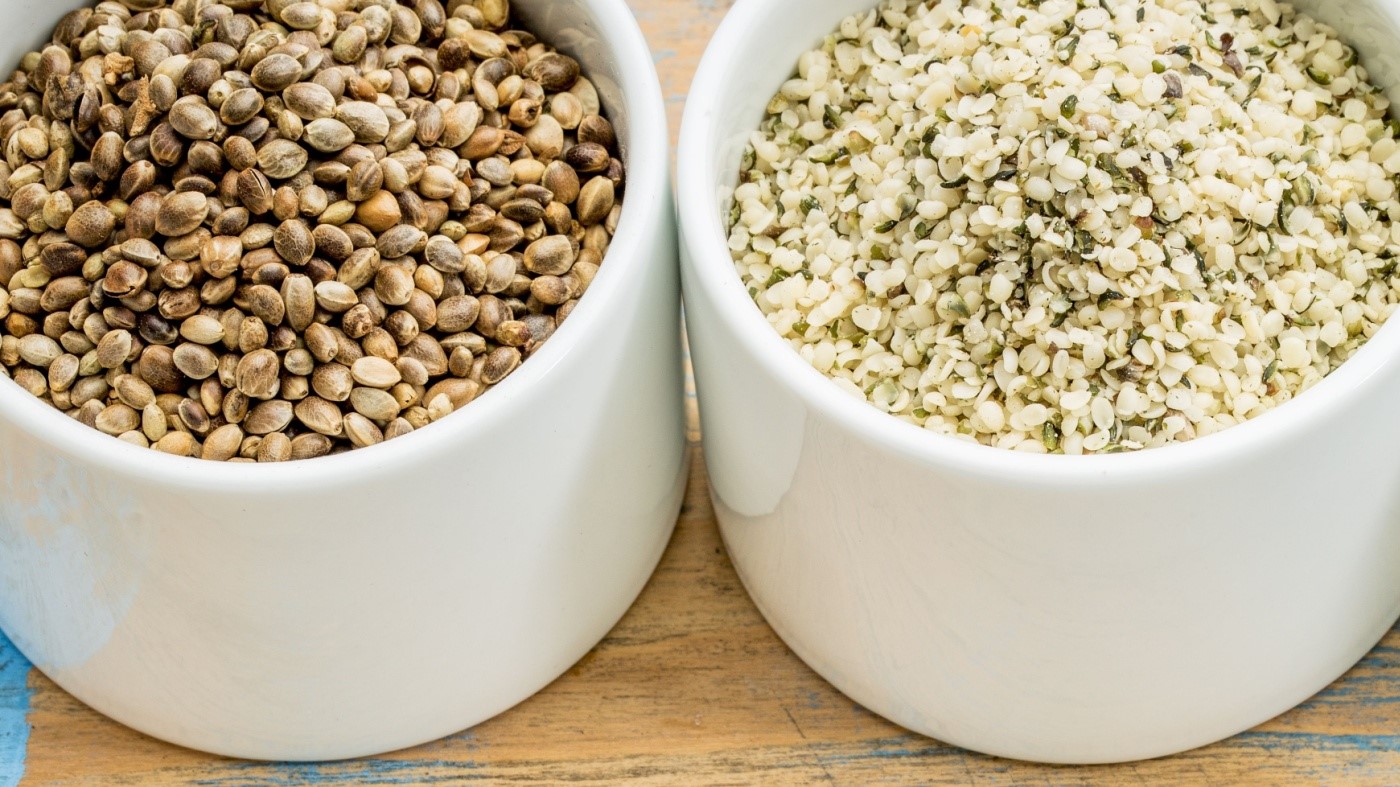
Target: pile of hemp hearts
264, 230
1074, 227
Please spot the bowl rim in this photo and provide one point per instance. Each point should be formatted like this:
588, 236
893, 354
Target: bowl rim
645, 155
709, 268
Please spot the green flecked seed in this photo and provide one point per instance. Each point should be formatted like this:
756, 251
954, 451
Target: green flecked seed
1319, 76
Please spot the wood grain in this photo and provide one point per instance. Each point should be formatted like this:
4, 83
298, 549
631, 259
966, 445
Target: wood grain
693, 687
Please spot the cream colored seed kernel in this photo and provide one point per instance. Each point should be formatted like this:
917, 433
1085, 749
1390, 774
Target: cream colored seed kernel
1061, 229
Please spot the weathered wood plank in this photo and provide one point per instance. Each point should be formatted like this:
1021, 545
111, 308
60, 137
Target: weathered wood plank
693, 686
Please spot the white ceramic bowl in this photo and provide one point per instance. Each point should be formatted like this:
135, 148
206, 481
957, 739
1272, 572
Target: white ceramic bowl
1063, 609
386, 597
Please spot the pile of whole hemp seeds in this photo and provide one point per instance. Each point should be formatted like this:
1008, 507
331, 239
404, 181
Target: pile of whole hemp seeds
1074, 226
263, 230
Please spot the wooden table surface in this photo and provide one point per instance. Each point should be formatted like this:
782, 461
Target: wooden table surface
693, 687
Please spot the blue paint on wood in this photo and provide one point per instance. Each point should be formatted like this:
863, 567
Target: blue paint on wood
900, 748
1318, 742
373, 771
14, 712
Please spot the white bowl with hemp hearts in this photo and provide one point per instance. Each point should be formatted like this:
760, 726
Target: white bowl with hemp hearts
1056, 227
257, 231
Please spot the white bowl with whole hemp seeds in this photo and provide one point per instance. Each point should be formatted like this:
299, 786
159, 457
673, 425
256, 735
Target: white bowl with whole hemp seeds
1043, 354
256, 231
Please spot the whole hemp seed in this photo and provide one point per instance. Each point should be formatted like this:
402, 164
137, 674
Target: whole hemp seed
1066, 227
263, 230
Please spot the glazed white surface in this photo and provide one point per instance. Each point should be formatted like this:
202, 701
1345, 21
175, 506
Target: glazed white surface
1062, 609
386, 597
